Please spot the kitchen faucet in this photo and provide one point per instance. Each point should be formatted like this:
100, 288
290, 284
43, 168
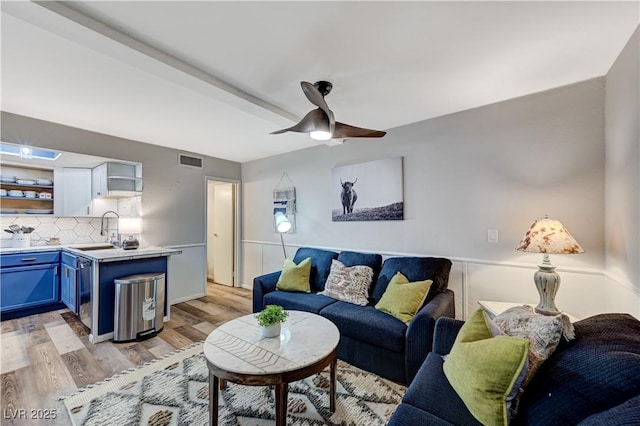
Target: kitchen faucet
103, 229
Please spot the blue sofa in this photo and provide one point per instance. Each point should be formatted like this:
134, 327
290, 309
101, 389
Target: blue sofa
591, 380
369, 339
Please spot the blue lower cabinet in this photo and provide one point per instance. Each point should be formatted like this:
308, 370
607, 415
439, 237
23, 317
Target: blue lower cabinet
29, 286
109, 272
69, 288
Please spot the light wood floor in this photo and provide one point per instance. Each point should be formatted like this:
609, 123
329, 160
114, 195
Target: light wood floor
49, 355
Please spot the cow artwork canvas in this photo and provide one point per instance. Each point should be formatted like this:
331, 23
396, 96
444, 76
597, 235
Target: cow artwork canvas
368, 191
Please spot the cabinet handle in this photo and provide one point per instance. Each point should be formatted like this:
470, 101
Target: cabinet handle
66, 272
28, 259
55, 271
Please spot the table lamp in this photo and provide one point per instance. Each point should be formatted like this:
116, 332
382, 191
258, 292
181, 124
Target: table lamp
282, 225
548, 236
130, 225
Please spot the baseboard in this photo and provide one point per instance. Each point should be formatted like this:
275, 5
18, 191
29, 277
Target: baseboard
186, 298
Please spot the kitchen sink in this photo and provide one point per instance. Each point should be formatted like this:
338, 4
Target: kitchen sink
89, 248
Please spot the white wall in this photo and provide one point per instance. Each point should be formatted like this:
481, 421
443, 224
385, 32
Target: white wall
622, 179
500, 166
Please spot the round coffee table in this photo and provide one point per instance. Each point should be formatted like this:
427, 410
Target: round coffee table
236, 351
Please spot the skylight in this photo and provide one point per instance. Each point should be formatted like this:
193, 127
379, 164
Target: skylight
25, 151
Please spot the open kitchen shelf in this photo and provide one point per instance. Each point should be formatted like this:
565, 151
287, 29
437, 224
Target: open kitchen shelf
26, 205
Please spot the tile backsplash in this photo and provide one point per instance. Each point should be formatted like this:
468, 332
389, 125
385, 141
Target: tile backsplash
70, 230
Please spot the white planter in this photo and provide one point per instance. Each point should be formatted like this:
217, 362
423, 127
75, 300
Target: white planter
272, 330
21, 240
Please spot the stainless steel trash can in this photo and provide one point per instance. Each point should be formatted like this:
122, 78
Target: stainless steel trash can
139, 307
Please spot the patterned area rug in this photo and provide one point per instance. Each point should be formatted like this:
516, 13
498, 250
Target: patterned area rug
174, 390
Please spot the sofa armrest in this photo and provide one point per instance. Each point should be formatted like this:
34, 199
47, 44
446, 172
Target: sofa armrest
261, 286
444, 334
419, 337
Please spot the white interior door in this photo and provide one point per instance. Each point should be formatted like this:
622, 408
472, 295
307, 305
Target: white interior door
221, 233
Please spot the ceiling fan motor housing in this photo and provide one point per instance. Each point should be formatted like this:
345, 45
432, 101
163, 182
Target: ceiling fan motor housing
324, 87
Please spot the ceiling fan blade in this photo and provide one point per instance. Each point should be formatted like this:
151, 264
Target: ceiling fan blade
345, 131
307, 124
316, 98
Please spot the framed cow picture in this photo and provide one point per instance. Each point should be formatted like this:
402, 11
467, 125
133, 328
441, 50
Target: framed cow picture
368, 191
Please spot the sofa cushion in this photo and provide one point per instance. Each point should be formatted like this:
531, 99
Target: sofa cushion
349, 283
308, 302
430, 391
402, 299
295, 276
367, 324
593, 373
320, 265
415, 269
485, 371
407, 414
352, 258
627, 413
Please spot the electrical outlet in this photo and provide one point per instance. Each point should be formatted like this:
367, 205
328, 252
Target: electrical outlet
492, 236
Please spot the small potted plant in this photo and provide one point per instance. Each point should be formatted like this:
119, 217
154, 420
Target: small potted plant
271, 319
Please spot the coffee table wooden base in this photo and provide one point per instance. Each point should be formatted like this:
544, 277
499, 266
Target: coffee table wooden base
281, 382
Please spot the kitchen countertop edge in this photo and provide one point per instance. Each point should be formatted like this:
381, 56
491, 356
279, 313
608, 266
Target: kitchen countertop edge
106, 255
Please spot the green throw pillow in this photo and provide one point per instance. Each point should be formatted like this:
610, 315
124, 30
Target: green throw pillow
295, 277
402, 299
484, 370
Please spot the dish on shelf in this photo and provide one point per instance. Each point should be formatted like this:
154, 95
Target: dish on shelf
44, 182
7, 179
16, 193
3, 192
8, 211
38, 211
26, 181
30, 194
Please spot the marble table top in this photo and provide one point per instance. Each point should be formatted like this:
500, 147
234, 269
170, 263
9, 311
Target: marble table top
237, 346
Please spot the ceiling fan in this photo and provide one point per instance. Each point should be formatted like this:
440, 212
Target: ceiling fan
321, 123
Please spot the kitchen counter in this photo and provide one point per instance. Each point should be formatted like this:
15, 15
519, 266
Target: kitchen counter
105, 255
80, 277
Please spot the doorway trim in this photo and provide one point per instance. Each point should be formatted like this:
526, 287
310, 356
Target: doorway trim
237, 261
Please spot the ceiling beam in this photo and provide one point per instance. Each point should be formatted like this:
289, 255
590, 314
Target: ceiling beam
62, 9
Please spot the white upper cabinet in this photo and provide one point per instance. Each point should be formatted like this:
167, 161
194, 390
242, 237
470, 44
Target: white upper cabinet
76, 191
74, 198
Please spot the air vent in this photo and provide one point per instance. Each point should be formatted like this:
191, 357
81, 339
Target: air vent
187, 160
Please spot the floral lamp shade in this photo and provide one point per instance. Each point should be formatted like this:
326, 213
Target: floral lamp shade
549, 236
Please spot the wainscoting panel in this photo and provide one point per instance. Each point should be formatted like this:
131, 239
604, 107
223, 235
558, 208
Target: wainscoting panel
187, 273
582, 293
620, 296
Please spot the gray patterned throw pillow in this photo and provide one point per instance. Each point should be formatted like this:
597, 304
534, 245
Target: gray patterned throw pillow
348, 283
543, 332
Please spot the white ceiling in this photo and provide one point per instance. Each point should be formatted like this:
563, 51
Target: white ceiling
216, 77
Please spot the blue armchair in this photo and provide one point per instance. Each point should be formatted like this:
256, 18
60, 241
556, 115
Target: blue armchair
591, 380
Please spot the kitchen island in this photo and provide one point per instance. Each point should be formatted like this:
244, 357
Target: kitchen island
79, 276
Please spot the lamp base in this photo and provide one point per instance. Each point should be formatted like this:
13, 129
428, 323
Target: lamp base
547, 282
130, 243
